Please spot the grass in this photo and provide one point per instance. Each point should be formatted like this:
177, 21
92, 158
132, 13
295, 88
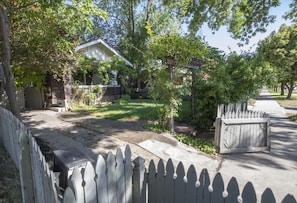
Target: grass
126, 109
199, 143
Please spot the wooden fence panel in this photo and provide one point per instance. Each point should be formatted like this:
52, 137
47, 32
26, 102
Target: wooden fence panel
37, 181
69, 196
289, 199
106, 183
139, 180
152, 182
180, 185
128, 175
249, 194
191, 189
89, 183
160, 182
233, 191
169, 182
76, 183
101, 180
241, 131
268, 196
217, 189
203, 190
111, 178
120, 177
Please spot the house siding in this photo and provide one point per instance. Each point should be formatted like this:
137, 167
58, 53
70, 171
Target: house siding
99, 52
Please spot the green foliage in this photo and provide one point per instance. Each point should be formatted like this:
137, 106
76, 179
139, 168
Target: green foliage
44, 35
87, 64
293, 118
180, 49
172, 50
279, 50
242, 18
235, 79
292, 14
156, 127
91, 97
199, 143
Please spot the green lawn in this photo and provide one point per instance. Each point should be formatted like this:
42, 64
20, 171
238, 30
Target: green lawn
125, 109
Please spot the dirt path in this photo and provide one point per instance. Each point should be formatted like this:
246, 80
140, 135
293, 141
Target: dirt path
87, 134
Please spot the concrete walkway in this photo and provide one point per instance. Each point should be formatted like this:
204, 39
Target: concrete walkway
277, 169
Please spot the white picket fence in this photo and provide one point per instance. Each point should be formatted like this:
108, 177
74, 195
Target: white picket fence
117, 179
110, 182
239, 130
37, 180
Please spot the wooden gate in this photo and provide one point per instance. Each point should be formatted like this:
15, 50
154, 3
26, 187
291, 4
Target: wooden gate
241, 131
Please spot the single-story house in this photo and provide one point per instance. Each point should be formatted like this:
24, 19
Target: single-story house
58, 93
100, 51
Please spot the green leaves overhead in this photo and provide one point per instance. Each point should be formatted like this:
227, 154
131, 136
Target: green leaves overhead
44, 35
243, 18
176, 47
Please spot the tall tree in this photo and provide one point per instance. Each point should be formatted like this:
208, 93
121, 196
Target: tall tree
174, 53
280, 50
131, 24
46, 32
6, 57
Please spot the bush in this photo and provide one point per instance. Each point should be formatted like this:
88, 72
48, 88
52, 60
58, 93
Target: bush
199, 143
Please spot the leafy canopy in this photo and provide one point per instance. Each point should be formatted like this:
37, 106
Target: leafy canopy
280, 51
44, 35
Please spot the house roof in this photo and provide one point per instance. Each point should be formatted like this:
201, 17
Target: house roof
100, 41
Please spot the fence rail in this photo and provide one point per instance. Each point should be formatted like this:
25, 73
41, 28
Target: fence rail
239, 130
37, 180
110, 182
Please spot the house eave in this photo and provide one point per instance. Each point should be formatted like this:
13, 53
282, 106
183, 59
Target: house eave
100, 41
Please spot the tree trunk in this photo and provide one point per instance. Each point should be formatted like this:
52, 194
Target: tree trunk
6, 57
290, 89
193, 93
171, 121
282, 89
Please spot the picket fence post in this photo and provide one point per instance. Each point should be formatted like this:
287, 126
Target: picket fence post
27, 185
139, 181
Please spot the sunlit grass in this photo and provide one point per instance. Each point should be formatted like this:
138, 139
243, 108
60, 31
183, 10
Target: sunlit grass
293, 117
283, 101
125, 109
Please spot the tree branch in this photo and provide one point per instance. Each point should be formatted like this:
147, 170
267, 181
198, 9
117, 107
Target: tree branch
23, 6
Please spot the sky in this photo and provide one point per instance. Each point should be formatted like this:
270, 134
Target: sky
222, 40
